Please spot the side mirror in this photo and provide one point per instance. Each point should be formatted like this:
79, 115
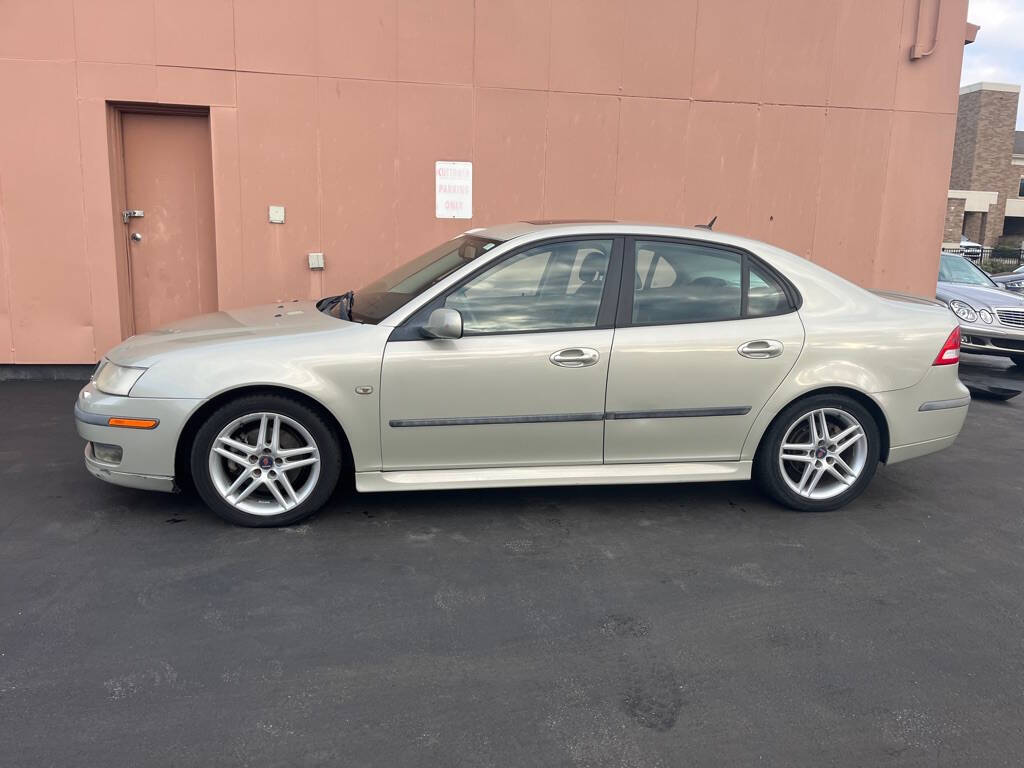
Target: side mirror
444, 323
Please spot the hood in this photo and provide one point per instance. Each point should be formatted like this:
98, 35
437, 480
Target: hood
1008, 278
228, 327
979, 296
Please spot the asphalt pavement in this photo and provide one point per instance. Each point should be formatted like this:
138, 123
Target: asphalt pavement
661, 625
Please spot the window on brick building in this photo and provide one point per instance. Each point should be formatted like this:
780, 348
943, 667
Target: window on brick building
1020, 189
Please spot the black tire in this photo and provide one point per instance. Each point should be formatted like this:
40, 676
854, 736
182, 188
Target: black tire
768, 472
1018, 360
326, 443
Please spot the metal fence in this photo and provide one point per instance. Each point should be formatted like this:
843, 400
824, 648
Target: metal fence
992, 260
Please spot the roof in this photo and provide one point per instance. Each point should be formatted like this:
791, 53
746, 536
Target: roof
598, 228
1018, 143
569, 226
986, 86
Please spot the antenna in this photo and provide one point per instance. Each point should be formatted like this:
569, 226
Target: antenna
709, 225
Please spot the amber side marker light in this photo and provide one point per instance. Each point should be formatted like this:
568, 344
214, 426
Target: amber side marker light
114, 421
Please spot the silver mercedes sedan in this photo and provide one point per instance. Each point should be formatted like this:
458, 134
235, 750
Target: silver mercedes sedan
536, 353
991, 317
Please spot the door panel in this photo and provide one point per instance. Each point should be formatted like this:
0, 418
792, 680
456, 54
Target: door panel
171, 247
685, 393
493, 401
526, 386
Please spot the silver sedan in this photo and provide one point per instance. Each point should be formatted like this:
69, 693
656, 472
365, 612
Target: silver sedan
545, 353
1012, 281
991, 318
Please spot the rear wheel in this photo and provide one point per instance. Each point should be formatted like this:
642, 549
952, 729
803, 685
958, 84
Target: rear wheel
265, 460
819, 454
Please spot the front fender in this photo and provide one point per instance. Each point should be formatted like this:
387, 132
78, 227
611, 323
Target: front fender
304, 364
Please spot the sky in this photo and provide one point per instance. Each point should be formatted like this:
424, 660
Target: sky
997, 55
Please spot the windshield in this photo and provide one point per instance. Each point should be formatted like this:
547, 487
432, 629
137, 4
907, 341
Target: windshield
375, 301
957, 269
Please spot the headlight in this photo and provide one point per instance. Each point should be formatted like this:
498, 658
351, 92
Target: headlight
1014, 284
985, 315
964, 311
116, 379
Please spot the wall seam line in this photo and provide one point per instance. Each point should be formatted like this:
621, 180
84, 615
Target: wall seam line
618, 155
829, 79
618, 117
693, 49
473, 125
827, 103
81, 181
234, 44
544, 171
241, 207
888, 150
396, 163
319, 186
5, 264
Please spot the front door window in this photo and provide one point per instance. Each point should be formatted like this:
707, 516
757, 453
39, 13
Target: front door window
556, 286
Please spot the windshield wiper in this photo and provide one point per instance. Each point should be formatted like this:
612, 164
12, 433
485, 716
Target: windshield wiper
326, 305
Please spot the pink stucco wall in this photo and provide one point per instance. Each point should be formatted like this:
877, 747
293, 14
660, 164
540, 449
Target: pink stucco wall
800, 122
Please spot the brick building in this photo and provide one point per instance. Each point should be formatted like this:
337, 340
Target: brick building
986, 182
1014, 225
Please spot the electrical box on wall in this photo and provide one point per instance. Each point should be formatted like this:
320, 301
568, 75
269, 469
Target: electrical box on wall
275, 214
316, 260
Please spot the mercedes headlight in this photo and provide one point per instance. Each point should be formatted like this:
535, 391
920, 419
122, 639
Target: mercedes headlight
1014, 284
964, 311
116, 379
985, 315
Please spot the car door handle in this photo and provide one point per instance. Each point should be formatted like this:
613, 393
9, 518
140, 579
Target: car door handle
575, 357
761, 349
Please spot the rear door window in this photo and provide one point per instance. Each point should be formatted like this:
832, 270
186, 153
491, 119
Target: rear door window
680, 282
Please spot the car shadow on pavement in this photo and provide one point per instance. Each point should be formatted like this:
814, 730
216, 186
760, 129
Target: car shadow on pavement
991, 377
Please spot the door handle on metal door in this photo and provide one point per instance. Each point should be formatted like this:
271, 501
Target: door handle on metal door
761, 349
575, 357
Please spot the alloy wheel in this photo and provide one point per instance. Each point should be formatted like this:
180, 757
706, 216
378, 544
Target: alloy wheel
823, 452
264, 463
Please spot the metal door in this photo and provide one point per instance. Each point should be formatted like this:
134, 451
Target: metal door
168, 217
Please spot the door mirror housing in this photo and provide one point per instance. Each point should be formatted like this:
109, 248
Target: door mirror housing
443, 323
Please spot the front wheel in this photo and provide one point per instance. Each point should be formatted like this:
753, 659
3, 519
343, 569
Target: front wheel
819, 454
265, 460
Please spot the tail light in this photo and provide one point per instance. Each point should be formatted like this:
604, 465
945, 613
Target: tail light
950, 352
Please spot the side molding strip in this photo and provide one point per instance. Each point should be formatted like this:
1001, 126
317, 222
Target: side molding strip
679, 413
941, 405
474, 420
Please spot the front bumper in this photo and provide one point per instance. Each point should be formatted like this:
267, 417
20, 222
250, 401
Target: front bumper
106, 472
994, 339
147, 455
